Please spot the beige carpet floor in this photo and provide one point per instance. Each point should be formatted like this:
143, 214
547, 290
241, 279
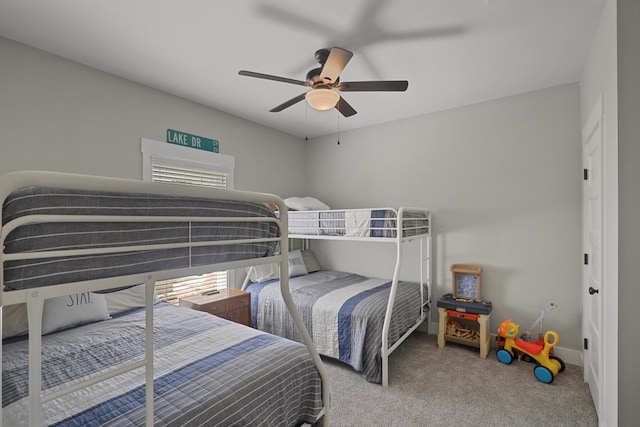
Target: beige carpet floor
454, 387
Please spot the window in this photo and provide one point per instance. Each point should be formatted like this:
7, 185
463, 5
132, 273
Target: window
172, 290
164, 162
187, 176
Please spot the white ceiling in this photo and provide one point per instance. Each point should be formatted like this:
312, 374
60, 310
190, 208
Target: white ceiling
452, 52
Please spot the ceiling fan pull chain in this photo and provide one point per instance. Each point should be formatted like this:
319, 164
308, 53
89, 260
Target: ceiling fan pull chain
338, 116
306, 123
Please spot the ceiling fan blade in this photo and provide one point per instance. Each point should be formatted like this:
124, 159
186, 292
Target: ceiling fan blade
275, 78
344, 108
376, 86
288, 103
337, 60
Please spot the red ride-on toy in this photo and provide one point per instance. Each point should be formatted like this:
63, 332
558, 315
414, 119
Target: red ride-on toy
547, 366
528, 336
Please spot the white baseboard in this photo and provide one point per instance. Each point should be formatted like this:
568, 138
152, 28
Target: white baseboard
568, 355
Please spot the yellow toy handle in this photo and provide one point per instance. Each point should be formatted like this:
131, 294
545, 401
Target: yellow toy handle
551, 338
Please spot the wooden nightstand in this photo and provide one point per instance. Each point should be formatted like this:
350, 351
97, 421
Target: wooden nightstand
231, 304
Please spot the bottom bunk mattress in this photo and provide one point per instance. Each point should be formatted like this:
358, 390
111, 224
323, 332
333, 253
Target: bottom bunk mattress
208, 371
343, 312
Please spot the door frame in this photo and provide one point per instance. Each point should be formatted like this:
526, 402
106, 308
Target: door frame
607, 407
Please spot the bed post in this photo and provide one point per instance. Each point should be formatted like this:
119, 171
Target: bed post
150, 284
425, 274
429, 262
392, 297
35, 307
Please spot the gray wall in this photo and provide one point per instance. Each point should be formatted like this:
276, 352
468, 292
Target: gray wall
59, 115
503, 179
629, 193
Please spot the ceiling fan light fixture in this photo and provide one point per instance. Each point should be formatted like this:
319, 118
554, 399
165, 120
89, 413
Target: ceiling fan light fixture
322, 99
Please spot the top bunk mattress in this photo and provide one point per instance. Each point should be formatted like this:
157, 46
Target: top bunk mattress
378, 222
101, 236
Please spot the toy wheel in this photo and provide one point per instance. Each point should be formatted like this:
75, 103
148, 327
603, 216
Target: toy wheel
504, 356
557, 359
543, 374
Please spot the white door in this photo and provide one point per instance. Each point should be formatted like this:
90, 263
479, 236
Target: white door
593, 285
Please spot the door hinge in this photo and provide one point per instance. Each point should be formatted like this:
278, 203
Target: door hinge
585, 174
586, 344
586, 259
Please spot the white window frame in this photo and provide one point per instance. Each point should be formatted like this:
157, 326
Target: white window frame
165, 152
170, 154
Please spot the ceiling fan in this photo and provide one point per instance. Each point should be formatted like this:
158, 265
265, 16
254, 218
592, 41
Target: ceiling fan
325, 83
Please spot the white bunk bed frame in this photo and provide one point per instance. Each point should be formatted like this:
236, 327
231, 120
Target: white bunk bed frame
402, 215
34, 297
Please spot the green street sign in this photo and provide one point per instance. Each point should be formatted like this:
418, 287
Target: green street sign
192, 141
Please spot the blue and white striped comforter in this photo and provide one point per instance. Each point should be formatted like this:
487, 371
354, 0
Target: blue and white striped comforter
343, 312
208, 371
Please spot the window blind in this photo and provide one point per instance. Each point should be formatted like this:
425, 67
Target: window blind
172, 290
176, 174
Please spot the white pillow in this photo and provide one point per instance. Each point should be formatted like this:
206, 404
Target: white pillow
127, 299
14, 320
262, 273
305, 204
296, 264
72, 310
310, 261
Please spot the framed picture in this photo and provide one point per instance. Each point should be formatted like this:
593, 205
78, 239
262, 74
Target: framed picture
467, 279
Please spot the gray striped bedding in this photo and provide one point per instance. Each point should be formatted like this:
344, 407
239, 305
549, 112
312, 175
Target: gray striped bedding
343, 312
302, 222
357, 223
22, 274
208, 371
332, 223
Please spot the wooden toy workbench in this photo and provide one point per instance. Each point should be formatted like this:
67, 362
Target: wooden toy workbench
464, 328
